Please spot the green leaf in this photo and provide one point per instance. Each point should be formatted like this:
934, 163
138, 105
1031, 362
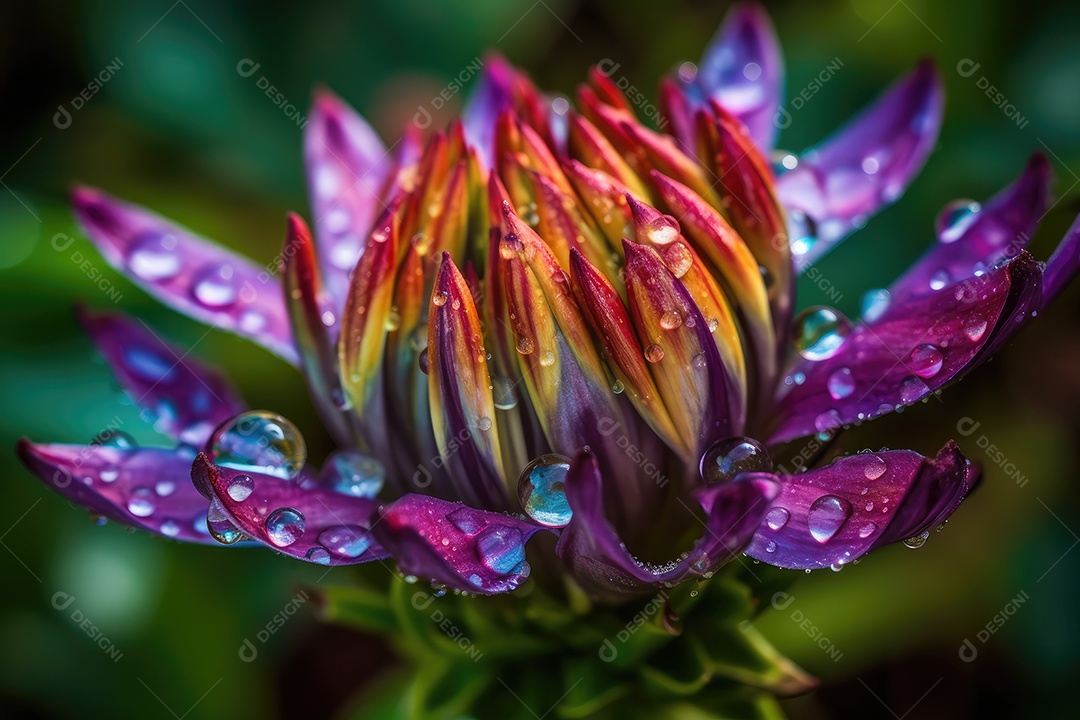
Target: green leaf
361, 608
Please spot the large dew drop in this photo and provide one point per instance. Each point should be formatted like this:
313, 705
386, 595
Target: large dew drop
826, 516
284, 526
345, 540
260, 441
955, 218
726, 459
215, 287
501, 549
820, 332
153, 257
542, 490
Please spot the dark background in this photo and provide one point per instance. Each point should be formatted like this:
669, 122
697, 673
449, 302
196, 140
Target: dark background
178, 129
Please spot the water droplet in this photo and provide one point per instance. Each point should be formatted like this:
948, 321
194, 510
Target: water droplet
464, 520
777, 517
826, 516
260, 441
617, 387
500, 548
939, 279
726, 459
820, 332
547, 358
240, 487
393, 320
874, 304
503, 393
955, 219
440, 298
214, 286
841, 383
917, 541
975, 328
108, 476
284, 526
770, 547
169, 528
219, 525
654, 353
542, 490
911, 389
525, 345
713, 324
670, 320
678, 259
318, 555
828, 422
926, 361
699, 361
802, 231
875, 467
346, 540
484, 423
141, 502
688, 72
353, 473
153, 257
423, 361
867, 530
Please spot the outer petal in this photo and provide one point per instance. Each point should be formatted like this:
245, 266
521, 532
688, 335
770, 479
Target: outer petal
147, 488
193, 275
493, 94
864, 166
334, 527
977, 240
915, 347
1063, 265
187, 398
476, 551
347, 166
599, 560
835, 514
743, 70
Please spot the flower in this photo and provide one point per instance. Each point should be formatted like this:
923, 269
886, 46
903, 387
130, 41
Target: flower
567, 322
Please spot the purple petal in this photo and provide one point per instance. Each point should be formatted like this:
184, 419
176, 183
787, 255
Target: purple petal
187, 398
476, 551
193, 275
835, 514
492, 95
972, 240
914, 348
865, 166
1062, 266
298, 519
600, 561
743, 70
147, 488
347, 166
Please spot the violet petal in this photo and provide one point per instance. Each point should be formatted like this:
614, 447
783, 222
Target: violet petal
864, 166
299, 519
146, 488
476, 551
914, 348
347, 166
833, 515
186, 399
190, 274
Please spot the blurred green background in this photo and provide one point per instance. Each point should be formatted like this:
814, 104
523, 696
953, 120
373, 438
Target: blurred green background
177, 128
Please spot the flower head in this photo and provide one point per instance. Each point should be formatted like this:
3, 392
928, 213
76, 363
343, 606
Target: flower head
567, 322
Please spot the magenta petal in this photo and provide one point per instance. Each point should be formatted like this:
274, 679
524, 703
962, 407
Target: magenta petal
743, 70
347, 166
865, 166
477, 551
193, 275
493, 94
599, 560
914, 348
187, 399
298, 519
835, 514
147, 488
979, 239
1063, 265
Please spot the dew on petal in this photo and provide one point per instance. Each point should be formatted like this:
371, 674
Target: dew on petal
670, 320
926, 361
141, 502
867, 530
503, 393
826, 516
345, 540
975, 328
284, 526
875, 467
542, 490
353, 473
939, 279
501, 548
260, 441
728, 458
874, 304
955, 218
240, 487
318, 555
153, 257
214, 286
841, 383
654, 353
820, 332
917, 541
777, 518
